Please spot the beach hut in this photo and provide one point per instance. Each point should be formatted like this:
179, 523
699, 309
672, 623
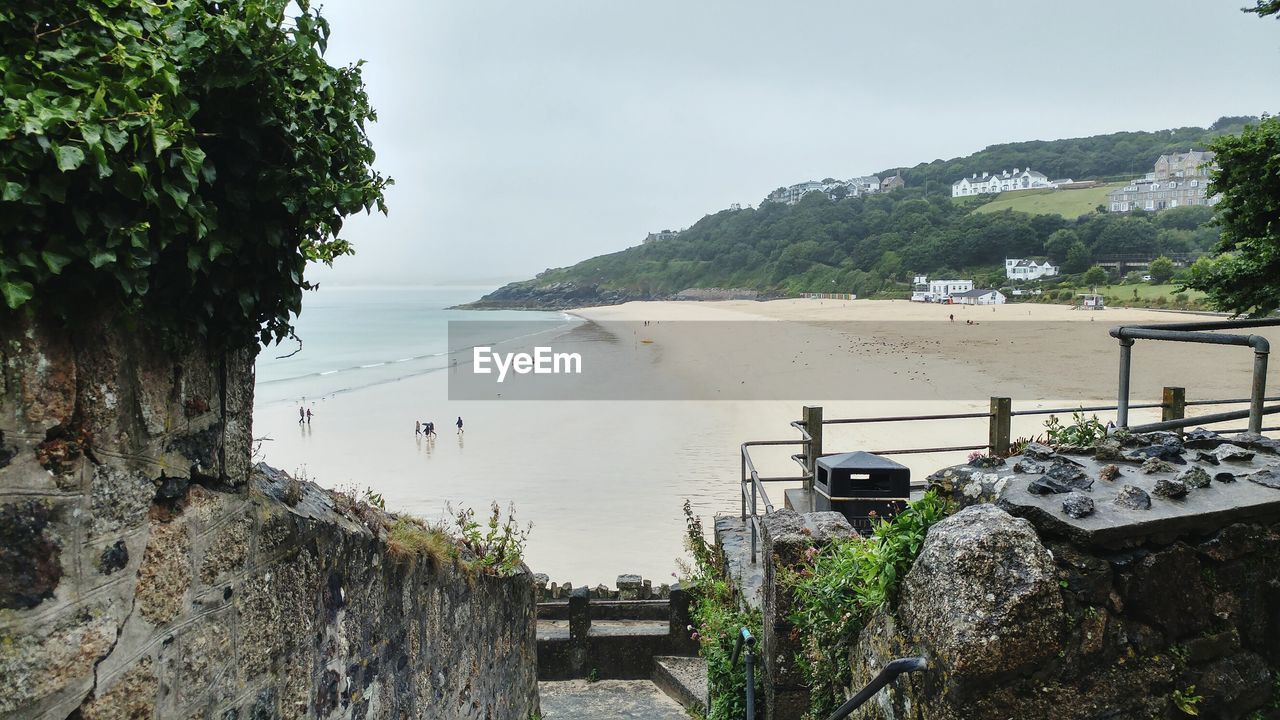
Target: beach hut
1091, 301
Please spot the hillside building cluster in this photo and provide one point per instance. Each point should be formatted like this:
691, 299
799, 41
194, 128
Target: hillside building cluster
1177, 180
837, 189
988, 184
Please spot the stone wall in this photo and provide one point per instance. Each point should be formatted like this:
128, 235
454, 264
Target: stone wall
147, 569
1030, 603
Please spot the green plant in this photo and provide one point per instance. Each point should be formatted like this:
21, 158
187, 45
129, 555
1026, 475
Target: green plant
593, 676
410, 538
497, 546
1082, 431
1180, 653
180, 162
1187, 701
845, 583
717, 619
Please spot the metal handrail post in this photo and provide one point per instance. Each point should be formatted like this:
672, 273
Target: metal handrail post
886, 676
745, 640
1122, 393
753, 517
742, 490
1259, 388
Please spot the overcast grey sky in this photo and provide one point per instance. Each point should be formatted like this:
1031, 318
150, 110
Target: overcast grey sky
526, 135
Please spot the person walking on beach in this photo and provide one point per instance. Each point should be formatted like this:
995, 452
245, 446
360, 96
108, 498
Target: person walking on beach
431, 429
459, 424
953, 317
302, 415
417, 427
308, 416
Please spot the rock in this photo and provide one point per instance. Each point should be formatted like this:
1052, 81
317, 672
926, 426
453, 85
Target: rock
1039, 451
1108, 450
1208, 458
1162, 452
967, 486
1133, 497
1224, 477
1234, 685
1167, 590
1077, 505
1048, 486
30, 555
114, 557
540, 580
1065, 471
1170, 488
1194, 477
1109, 473
1029, 466
986, 462
990, 569
1256, 441
1202, 439
1267, 477
630, 582
1155, 465
1232, 453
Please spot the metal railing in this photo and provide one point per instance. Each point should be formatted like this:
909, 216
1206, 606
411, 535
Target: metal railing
754, 497
1199, 332
744, 640
886, 676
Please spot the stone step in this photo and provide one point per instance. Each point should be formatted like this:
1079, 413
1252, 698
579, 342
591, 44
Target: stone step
559, 629
683, 679
607, 700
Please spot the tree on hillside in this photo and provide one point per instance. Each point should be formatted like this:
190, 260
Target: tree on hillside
1094, 276
1162, 270
1245, 277
1059, 244
1078, 258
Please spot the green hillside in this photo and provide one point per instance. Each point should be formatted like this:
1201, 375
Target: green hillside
875, 243
1067, 203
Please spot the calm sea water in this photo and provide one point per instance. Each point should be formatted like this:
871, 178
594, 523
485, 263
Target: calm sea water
357, 337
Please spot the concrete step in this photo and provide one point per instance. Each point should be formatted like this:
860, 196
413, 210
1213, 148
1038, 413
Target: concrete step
683, 679
607, 700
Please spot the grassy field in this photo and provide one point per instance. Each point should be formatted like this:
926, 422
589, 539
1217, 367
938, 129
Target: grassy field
1067, 203
1147, 291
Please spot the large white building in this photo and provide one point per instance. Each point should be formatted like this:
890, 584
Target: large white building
853, 187
1016, 179
1020, 269
942, 290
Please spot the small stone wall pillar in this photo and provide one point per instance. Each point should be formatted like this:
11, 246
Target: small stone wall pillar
579, 628
787, 538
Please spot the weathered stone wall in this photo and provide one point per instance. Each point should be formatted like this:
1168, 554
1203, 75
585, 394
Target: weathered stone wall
1125, 611
148, 570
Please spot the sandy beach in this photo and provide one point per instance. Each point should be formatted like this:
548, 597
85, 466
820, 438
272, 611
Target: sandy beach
603, 481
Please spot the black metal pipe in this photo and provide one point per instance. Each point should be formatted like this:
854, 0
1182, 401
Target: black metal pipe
907, 418
886, 676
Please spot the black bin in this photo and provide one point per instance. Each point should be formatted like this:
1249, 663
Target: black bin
862, 487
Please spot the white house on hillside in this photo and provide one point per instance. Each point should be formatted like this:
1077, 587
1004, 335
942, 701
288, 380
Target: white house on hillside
1027, 179
1019, 269
979, 297
940, 290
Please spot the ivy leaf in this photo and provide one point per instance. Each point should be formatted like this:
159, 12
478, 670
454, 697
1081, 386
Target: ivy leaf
99, 259
16, 293
12, 192
69, 157
55, 261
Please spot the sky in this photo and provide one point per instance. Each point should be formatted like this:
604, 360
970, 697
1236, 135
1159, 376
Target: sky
528, 135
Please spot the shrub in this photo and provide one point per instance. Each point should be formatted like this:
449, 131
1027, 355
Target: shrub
718, 617
1082, 431
497, 546
847, 582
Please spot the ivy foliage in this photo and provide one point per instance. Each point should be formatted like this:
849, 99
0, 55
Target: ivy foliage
843, 585
181, 160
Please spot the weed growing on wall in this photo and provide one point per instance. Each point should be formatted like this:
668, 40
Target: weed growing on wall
845, 583
718, 617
